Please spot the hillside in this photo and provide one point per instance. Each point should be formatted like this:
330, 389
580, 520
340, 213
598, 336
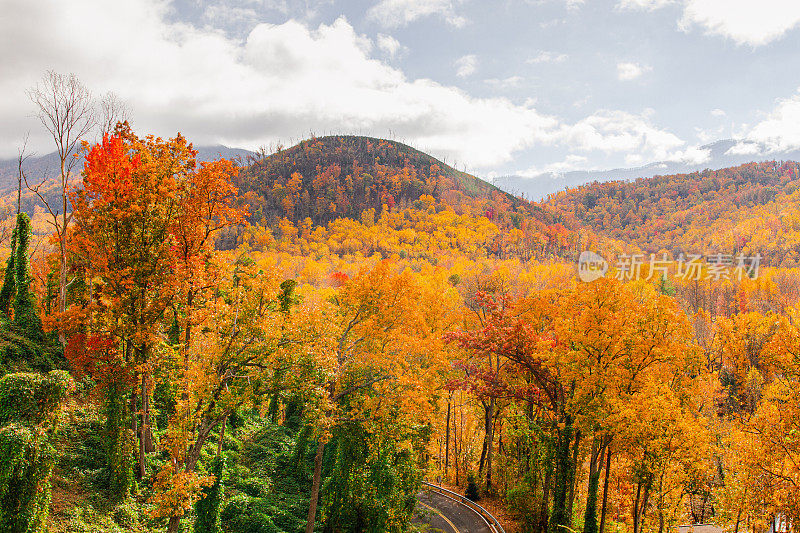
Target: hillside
341, 176
751, 208
721, 154
324, 195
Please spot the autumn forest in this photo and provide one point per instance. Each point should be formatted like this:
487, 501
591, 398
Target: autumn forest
296, 340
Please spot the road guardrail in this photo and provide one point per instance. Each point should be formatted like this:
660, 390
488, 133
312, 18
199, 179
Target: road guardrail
486, 516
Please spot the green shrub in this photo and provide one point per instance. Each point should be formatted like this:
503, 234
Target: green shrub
472, 489
119, 444
243, 514
525, 504
29, 408
207, 508
125, 515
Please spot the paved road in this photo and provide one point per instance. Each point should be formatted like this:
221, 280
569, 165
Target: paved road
445, 515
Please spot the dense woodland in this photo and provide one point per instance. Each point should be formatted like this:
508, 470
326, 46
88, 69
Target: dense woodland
296, 342
326, 178
749, 208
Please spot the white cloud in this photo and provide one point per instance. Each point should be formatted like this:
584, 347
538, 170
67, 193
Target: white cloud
744, 21
633, 136
238, 17
707, 135
718, 113
692, 155
389, 45
396, 13
545, 56
744, 148
630, 71
780, 130
466, 65
621, 132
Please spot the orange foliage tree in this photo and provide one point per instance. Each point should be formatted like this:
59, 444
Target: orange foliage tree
143, 221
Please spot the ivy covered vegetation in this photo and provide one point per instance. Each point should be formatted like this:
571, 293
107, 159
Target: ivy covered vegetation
30, 401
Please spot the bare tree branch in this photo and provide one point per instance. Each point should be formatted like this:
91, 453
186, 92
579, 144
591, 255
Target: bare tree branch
21, 157
66, 109
112, 110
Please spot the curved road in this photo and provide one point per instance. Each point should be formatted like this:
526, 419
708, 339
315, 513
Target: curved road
445, 515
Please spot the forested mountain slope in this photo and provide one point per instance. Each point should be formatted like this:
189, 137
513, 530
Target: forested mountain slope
751, 208
341, 176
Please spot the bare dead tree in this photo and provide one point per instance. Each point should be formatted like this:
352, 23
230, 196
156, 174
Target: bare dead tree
112, 110
21, 157
66, 109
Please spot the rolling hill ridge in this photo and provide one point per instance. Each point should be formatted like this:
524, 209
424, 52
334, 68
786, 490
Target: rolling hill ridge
750, 208
341, 176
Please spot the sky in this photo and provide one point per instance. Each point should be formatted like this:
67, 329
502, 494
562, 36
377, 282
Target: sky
494, 87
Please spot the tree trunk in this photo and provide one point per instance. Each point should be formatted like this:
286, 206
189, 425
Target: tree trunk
564, 477
172, 525
636, 508
482, 460
575, 451
187, 335
62, 280
595, 467
143, 430
149, 445
643, 510
222, 434
490, 446
605, 490
190, 462
456, 442
739, 516
62, 241
19, 180
135, 429
186, 340
447, 441
312, 508
544, 511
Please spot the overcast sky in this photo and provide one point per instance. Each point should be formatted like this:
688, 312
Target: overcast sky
498, 86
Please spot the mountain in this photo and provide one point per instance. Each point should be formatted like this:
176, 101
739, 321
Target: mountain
331, 177
751, 208
48, 165
721, 154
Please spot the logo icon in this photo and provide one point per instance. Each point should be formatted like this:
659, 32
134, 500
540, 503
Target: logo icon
591, 266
